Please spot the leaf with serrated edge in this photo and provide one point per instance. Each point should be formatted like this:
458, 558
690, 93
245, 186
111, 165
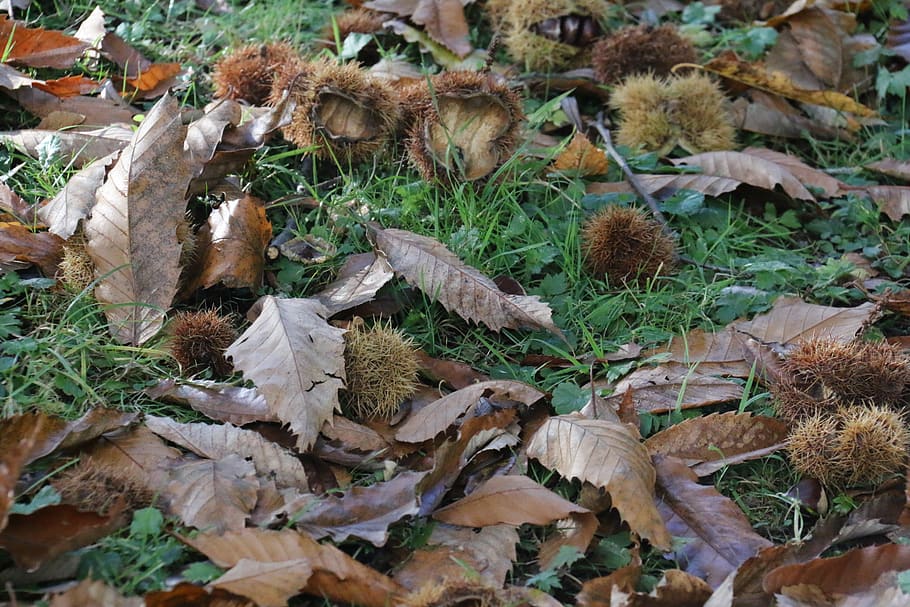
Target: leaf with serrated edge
606, 455
209, 494
269, 584
750, 169
428, 265
217, 441
296, 359
132, 233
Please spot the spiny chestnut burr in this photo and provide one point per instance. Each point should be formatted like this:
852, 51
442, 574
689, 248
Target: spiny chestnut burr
623, 244
198, 341
248, 72
639, 50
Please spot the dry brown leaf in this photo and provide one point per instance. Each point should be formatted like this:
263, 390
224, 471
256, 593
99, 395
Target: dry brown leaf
37, 47
12, 203
12, 79
429, 266
17, 439
362, 512
214, 495
439, 415
216, 441
597, 592
893, 200
443, 20
232, 244
132, 233
458, 375
793, 319
675, 589
92, 593
75, 200
582, 157
711, 442
351, 289
807, 175
748, 168
720, 537
152, 81
850, 572
185, 594
269, 584
32, 539
772, 115
731, 67
221, 402
663, 186
336, 576
668, 386
353, 436
58, 434
607, 455
487, 552
296, 359
20, 247
899, 169
95, 110
69, 86
138, 455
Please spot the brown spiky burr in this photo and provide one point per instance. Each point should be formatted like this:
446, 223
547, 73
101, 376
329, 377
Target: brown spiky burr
198, 340
639, 50
623, 244
248, 72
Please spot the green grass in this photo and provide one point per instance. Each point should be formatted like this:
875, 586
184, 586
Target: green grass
56, 354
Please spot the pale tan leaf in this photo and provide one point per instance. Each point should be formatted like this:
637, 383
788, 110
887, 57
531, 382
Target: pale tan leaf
12, 203
336, 575
428, 265
663, 186
668, 386
221, 402
893, 200
749, 169
269, 584
76, 147
296, 359
353, 289
92, 593
488, 552
606, 455
132, 233
75, 200
96, 110
11, 78
899, 169
210, 494
438, 416
792, 319
711, 442
799, 169
722, 348
204, 134
216, 441
719, 536
138, 455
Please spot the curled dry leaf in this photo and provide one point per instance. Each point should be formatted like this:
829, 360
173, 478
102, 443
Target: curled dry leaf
214, 495
675, 589
132, 233
580, 156
488, 552
215, 442
711, 442
429, 266
444, 20
336, 576
720, 537
12, 203
353, 436
597, 592
751, 169
355, 288
186, 594
438, 416
296, 359
75, 200
607, 455
12, 79
221, 402
138, 455
799, 169
893, 200
20, 247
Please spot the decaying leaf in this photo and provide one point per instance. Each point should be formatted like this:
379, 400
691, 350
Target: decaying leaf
17, 439
675, 589
893, 200
428, 265
444, 20
668, 386
75, 200
132, 233
58, 434
186, 594
336, 575
748, 168
296, 359
792, 319
663, 186
899, 169
711, 442
213, 494
607, 455
217, 441
225, 403
138, 454
720, 537
78, 147
581, 157
356, 287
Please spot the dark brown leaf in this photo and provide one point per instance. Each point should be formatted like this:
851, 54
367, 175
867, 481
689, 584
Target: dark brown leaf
20, 247
17, 439
11, 203
59, 434
185, 594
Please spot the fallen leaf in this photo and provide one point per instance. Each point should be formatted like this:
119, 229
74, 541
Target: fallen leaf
581, 157
768, 114
893, 200
439, 415
748, 168
185, 594
96, 110
487, 552
89, 593
731, 67
213, 494
353, 436
444, 20
17, 439
12, 203
607, 455
76, 147
58, 434
675, 589
336, 576
351, 289
38, 47
362, 512
232, 244
456, 374
217, 441
669, 386
221, 402
719, 536
598, 592
20, 247
269, 584
152, 81
296, 359
69, 86
711, 442
899, 169
808, 176
138, 454
663, 186
75, 200
429, 266
32, 539
132, 233
12, 79
792, 319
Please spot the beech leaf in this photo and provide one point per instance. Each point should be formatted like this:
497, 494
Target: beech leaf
209, 494
428, 265
218, 441
132, 233
296, 359
607, 455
